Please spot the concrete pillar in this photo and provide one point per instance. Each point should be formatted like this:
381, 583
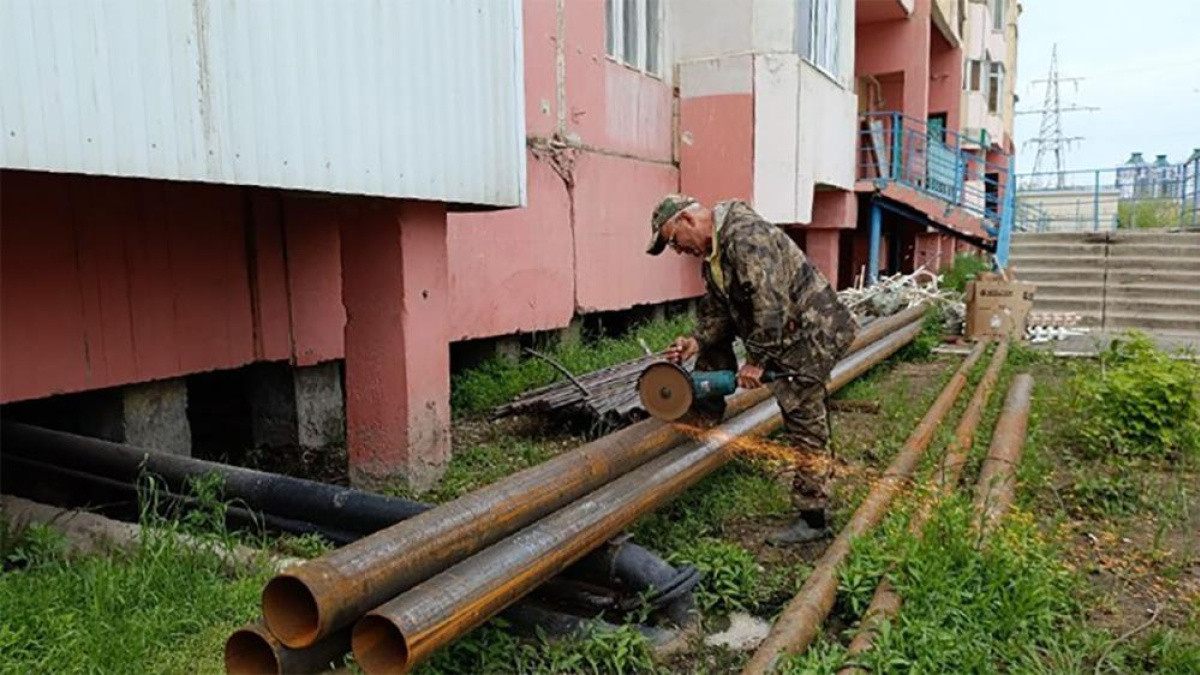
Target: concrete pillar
155, 416
508, 347
573, 332
395, 286
822, 251
296, 407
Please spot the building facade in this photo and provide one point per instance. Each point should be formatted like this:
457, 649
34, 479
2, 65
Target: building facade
292, 231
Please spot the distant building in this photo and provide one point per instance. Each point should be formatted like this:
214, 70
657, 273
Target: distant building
1138, 179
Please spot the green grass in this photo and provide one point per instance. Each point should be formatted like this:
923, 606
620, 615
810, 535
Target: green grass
160, 608
964, 269
498, 380
482, 464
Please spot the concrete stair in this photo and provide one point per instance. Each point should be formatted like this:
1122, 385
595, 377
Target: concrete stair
1116, 280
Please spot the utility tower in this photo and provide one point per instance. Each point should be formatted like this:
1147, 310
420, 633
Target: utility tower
1052, 143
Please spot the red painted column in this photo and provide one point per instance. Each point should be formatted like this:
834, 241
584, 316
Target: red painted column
395, 286
821, 246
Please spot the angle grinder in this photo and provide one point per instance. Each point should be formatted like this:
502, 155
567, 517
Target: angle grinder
668, 390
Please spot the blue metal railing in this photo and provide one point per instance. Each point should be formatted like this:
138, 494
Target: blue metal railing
942, 164
1126, 197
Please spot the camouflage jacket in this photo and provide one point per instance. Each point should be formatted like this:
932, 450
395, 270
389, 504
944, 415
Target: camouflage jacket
762, 288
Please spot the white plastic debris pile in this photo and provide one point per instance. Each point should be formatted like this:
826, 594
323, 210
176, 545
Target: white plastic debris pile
901, 291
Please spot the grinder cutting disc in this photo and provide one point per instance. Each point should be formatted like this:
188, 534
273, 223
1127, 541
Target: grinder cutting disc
666, 391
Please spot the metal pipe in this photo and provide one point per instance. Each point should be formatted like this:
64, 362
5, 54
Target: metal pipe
796, 627
311, 601
397, 635
26, 477
307, 500
252, 650
994, 491
886, 603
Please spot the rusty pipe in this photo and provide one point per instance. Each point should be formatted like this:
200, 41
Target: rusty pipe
886, 602
401, 633
997, 476
253, 650
882, 327
796, 627
305, 603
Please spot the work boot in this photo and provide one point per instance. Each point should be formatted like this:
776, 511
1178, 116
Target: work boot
809, 527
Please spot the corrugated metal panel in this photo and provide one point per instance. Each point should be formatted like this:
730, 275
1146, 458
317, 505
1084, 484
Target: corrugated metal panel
399, 98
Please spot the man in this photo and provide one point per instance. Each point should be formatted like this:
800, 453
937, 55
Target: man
762, 289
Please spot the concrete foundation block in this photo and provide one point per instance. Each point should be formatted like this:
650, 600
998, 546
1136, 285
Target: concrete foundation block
320, 405
155, 416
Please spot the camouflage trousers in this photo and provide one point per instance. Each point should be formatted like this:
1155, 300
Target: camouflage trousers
806, 425
805, 418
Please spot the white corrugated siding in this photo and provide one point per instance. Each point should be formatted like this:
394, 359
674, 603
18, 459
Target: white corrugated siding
400, 98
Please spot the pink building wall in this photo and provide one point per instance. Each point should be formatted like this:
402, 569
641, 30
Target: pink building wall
588, 210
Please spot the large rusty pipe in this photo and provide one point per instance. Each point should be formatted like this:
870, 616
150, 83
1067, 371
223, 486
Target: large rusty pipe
796, 627
309, 602
886, 602
410, 627
994, 491
252, 650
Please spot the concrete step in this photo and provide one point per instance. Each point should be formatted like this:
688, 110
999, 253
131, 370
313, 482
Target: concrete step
1060, 237
1078, 261
1064, 275
1081, 306
1119, 291
1150, 237
1164, 251
1181, 308
1189, 264
1147, 321
1037, 249
1155, 277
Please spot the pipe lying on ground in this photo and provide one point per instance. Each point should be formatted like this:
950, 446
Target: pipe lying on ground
885, 604
311, 601
994, 491
27, 478
252, 650
296, 498
796, 627
410, 627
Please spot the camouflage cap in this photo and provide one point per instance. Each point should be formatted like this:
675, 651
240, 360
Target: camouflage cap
666, 209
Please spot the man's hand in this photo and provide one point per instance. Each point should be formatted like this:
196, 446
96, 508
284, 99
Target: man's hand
750, 377
682, 349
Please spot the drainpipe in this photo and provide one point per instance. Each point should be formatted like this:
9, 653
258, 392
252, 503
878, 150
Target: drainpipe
1004, 238
876, 235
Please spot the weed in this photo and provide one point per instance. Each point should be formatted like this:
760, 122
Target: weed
964, 269
932, 329
479, 465
498, 380
1139, 403
24, 544
306, 546
730, 574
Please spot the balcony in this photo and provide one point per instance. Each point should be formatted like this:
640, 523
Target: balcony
873, 11
928, 174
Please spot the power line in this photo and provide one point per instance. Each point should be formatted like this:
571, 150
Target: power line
1051, 141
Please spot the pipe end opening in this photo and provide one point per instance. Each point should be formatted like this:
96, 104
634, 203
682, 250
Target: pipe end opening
290, 611
379, 646
249, 653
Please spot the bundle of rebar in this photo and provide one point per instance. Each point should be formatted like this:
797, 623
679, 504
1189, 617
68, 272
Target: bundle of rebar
609, 395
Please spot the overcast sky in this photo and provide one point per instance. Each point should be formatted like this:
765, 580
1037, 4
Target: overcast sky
1141, 61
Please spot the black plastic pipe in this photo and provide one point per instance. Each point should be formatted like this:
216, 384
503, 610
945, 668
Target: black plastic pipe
311, 501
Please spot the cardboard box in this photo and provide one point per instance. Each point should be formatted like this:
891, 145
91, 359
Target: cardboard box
997, 307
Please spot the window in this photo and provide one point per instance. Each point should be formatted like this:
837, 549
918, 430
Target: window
973, 80
818, 33
998, 14
634, 33
995, 86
